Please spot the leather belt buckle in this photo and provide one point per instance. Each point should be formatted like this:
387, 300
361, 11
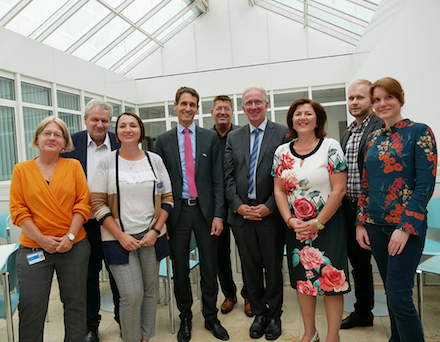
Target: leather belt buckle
191, 202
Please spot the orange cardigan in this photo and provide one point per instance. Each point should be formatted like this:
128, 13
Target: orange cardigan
50, 206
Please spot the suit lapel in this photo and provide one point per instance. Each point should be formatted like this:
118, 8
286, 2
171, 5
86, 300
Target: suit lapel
267, 137
246, 143
175, 149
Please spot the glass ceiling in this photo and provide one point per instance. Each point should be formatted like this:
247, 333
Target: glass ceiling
342, 19
115, 34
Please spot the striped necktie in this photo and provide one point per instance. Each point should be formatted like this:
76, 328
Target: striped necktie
253, 162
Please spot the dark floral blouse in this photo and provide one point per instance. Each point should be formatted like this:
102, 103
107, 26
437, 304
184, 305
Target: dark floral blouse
398, 177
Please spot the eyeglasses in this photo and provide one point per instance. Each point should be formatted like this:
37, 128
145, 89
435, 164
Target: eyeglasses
226, 109
57, 135
258, 103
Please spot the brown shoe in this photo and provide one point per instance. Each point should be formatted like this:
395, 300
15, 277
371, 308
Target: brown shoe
228, 304
247, 308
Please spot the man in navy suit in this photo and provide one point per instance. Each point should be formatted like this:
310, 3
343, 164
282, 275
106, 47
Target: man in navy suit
258, 228
193, 158
91, 145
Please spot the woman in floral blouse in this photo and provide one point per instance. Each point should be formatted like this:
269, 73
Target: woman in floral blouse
398, 181
310, 181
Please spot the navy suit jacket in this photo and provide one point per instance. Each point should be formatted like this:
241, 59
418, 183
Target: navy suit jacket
80, 152
236, 167
208, 172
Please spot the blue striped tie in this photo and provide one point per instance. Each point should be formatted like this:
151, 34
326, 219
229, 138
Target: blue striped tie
253, 163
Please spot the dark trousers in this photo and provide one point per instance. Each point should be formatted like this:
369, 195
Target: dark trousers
191, 218
360, 260
93, 230
261, 251
224, 266
35, 282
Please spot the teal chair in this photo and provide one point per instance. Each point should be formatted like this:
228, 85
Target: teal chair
9, 300
432, 266
5, 230
432, 247
166, 273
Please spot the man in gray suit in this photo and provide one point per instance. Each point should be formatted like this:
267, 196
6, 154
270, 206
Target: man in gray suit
192, 157
353, 142
253, 215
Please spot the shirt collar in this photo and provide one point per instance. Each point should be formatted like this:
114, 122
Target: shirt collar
105, 143
397, 127
262, 126
192, 127
354, 127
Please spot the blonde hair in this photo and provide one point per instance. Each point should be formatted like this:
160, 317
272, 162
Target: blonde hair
43, 123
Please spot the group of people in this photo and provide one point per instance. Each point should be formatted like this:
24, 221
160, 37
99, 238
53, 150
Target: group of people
269, 183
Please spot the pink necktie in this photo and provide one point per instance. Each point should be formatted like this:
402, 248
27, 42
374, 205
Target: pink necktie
189, 163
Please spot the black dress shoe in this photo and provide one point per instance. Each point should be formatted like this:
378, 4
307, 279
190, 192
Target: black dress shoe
355, 320
258, 327
217, 329
184, 334
92, 335
273, 329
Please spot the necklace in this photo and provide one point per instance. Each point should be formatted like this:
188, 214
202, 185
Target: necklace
46, 171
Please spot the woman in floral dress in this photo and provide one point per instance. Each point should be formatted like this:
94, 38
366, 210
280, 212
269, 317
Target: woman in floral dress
397, 183
310, 182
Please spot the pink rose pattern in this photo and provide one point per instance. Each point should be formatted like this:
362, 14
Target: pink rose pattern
321, 276
311, 258
307, 287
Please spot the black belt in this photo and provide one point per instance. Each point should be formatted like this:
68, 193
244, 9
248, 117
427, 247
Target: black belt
352, 204
252, 202
190, 202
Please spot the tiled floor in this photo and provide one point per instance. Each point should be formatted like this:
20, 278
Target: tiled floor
237, 323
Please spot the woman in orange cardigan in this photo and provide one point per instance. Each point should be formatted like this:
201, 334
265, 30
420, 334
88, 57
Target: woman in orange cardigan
50, 201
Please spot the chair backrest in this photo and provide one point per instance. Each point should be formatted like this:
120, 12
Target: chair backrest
4, 227
11, 267
434, 213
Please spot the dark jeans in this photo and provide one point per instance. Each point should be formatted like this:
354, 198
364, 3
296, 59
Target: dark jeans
398, 273
360, 260
93, 230
224, 267
35, 282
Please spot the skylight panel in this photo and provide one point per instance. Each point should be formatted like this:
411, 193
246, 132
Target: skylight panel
114, 3
77, 25
336, 21
33, 15
163, 16
138, 57
179, 24
295, 4
122, 49
6, 6
139, 9
101, 39
347, 7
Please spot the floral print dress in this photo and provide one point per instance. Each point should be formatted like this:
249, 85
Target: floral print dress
317, 265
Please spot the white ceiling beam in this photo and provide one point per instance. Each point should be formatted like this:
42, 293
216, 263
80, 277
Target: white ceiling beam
60, 21
339, 14
14, 11
367, 5
335, 28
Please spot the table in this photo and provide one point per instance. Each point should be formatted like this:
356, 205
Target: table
5, 251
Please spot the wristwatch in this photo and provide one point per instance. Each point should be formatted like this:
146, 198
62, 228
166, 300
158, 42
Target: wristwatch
319, 225
71, 237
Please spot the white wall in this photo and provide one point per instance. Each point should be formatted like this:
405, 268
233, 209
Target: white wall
25, 56
235, 45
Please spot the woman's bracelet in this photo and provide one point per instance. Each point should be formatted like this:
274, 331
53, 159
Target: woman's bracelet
291, 217
156, 230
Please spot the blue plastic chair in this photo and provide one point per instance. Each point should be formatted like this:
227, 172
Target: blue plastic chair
166, 273
5, 231
432, 266
432, 247
8, 304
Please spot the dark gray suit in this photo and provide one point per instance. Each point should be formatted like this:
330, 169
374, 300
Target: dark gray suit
183, 219
360, 258
260, 243
93, 230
